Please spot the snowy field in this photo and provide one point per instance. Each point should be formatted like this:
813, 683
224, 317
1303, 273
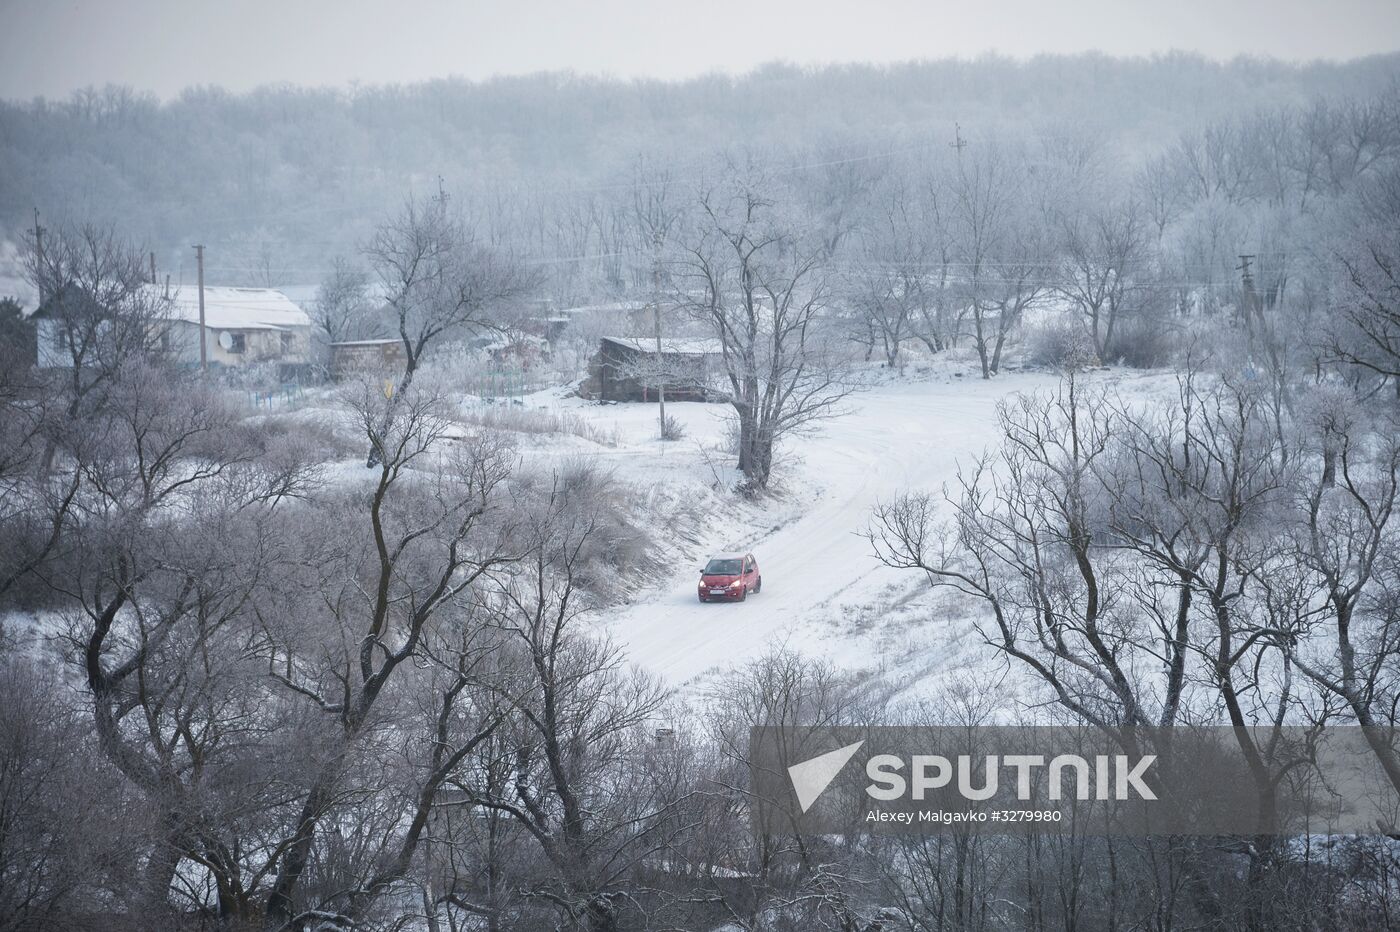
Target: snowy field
824, 594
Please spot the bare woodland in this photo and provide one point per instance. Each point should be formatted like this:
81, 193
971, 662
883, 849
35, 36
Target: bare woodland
274, 692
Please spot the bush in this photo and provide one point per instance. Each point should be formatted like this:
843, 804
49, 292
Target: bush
28, 563
672, 429
730, 439
1060, 343
317, 436
532, 421
619, 547
1143, 343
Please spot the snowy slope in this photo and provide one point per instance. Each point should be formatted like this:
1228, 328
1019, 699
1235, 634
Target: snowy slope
818, 573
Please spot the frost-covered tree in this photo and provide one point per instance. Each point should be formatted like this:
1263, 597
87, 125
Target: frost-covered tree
758, 284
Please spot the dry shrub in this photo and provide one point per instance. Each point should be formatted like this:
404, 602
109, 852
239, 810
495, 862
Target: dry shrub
316, 437
619, 546
672, 429
1143, 343
538, 422
1059, 343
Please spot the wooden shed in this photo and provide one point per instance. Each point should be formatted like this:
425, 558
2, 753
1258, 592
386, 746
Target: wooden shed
630, 369
352, 356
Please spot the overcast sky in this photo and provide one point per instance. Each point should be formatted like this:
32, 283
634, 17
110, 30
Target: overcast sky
50, 47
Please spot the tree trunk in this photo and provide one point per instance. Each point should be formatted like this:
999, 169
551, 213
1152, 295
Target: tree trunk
159, 874
372, 459
280, 905
981, 340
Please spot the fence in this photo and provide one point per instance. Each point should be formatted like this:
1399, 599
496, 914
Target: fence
483, 383
504, 383
282, 396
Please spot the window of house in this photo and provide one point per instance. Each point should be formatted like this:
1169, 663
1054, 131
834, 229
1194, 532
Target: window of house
287, 343
239, 344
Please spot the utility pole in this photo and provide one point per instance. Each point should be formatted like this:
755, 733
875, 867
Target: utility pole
656, 318
153, 266
1247, 298
39, 255
958, 142
1247, 276
203, 351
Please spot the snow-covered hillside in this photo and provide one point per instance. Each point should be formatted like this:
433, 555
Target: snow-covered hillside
824, 593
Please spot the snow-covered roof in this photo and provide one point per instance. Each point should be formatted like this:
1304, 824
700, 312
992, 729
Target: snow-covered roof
682, 346
236, 308
614, 306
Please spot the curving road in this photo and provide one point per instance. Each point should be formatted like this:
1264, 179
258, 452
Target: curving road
896, 437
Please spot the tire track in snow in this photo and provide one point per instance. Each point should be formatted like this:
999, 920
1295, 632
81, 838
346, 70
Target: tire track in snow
898, 437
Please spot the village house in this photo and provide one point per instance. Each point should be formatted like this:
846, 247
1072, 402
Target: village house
242, 327
630, 368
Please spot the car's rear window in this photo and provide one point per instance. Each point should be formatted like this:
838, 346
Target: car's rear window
723, 568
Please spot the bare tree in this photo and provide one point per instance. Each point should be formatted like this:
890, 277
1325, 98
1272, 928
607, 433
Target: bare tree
1159, 186
343, 308
800, 879
461, 702
1346, 539
1218, 161
99, 315
425, 541
893, 282
154, 626
439, 281
1019, 276
1105, 533
578, 786
1022, 541
1366, 334
35, 503
1105, 260
759, 287
982, 200
68, 826
835, 189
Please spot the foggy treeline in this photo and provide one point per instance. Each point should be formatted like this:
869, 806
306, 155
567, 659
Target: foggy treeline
280, 180
340, 671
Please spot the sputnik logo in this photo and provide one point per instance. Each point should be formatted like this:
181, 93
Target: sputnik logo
811, 777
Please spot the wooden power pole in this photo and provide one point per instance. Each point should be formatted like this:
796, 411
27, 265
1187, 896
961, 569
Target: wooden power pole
1249, 309
203, 351
39, 255
656, 319
958, 143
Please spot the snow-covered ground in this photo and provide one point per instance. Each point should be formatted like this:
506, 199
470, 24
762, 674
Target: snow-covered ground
824, 593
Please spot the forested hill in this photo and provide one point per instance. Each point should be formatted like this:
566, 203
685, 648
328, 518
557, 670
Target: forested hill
278, 180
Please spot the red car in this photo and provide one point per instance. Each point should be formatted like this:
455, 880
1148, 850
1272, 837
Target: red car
729, 577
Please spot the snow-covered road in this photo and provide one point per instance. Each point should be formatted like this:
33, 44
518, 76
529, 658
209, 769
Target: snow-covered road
896, 437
